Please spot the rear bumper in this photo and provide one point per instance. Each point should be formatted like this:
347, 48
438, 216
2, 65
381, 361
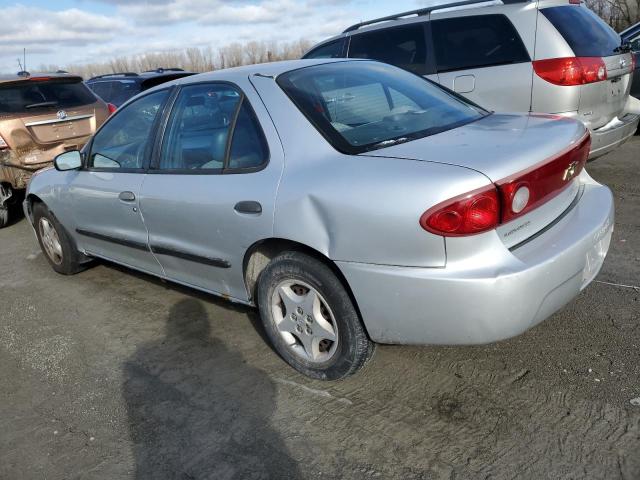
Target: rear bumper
19, 175
604, 140
490, 296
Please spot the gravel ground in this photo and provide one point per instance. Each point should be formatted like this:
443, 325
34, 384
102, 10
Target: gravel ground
111, 374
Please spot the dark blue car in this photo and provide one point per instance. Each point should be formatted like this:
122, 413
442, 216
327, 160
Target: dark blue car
117, 88
632, 36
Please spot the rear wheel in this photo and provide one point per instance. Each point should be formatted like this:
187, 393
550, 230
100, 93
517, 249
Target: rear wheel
310, 318
56, 244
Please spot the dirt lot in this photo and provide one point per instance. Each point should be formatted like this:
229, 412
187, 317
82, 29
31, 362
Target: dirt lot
111, 374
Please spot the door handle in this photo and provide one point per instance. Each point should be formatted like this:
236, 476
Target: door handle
127, 197
248, 208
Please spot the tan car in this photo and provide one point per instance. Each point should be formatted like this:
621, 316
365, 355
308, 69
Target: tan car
41, 116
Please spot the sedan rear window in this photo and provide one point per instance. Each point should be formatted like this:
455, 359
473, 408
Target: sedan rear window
35, 96
363, 106
583, 30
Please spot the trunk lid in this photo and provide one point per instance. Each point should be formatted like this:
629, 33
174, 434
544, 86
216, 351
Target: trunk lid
505, 148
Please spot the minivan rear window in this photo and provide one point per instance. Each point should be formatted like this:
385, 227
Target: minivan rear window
36, 95
583, 30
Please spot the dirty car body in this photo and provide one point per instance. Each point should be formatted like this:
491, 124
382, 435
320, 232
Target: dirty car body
444, 223
42, 116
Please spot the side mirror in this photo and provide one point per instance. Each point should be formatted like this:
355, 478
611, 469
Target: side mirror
68, 161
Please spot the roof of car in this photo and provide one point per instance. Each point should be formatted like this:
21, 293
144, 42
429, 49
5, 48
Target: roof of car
416, 16
159, 72
18, 77
272, 69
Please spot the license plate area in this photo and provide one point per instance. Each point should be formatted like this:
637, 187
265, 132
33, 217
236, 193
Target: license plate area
595, 257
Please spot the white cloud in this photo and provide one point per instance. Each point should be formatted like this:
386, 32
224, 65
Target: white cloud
80, 35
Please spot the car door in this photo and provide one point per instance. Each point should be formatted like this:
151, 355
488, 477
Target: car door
483, 58
211, 194
106, 192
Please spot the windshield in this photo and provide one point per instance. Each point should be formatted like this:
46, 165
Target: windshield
363, 106
36, 96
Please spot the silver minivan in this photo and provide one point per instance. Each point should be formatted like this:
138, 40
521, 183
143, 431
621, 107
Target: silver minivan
547, 56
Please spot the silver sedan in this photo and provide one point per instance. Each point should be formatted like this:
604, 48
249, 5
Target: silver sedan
352, 202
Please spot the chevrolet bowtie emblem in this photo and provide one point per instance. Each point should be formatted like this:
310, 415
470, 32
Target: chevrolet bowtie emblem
570, 172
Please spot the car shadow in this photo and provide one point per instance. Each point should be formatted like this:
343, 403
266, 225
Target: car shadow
251, 312
197, 410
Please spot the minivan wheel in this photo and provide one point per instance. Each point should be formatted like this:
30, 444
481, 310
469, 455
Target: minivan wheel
55, 242
310, 318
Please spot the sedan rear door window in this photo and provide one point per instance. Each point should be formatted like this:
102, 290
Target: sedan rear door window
212, 128
478, 41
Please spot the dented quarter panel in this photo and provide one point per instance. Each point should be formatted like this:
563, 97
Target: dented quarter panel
357, 208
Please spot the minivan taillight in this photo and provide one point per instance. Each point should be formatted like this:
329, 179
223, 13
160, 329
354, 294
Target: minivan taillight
112, 108
571, 71
469, 214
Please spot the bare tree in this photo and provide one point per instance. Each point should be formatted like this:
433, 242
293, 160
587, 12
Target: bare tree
620, 14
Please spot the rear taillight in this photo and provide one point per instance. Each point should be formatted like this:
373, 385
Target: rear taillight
527, 190
468, 214
483, 210
3, 144
571, 71
112, 108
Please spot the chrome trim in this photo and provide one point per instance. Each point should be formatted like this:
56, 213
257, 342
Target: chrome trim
57, 120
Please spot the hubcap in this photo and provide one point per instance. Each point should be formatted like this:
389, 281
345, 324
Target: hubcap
305, 321
50, 241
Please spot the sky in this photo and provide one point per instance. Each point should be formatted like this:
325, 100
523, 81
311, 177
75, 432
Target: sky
65, 32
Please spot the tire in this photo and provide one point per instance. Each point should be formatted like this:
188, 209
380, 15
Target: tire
317, 309
65, 259
5, 213
4, 216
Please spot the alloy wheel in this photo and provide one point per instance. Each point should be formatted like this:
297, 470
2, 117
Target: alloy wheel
304, 320
50, 241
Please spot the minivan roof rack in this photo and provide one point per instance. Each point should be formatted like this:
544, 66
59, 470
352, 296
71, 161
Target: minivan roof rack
124, 74
425, 11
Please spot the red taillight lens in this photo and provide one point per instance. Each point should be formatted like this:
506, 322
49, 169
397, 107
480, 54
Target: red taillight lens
542, 182
112, 108
571, 71
468, 214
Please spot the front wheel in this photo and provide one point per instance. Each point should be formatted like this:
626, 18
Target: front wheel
310, 318
55, 243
